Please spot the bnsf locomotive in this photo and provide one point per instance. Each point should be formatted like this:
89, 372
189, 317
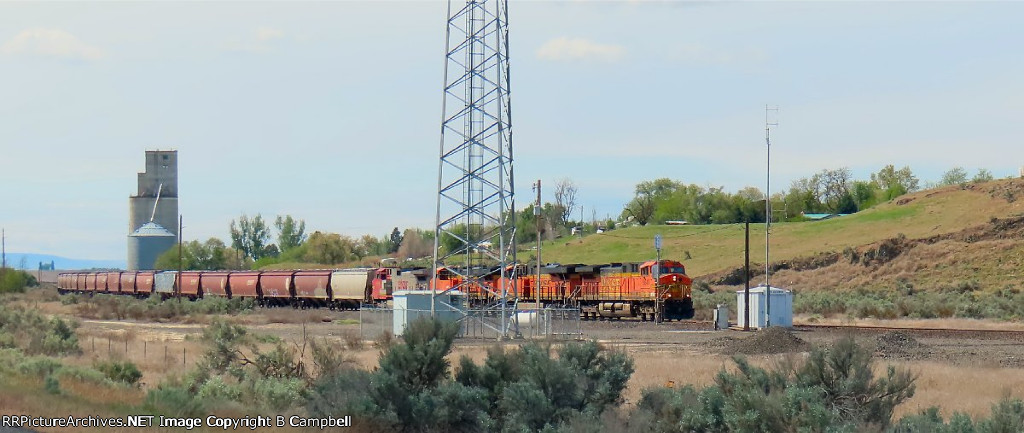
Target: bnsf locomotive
600, 291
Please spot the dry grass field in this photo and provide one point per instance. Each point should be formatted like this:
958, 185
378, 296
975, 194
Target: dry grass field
947, 376
965, 374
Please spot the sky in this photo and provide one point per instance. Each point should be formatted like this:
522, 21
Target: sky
330, 111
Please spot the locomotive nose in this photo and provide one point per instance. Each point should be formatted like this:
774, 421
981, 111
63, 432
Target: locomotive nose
674, 279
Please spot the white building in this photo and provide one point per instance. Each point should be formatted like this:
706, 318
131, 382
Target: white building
781, 307
410, 305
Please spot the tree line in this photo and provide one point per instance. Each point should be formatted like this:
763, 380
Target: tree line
832, 191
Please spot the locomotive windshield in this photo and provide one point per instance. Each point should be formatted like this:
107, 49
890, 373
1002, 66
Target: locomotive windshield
669, 269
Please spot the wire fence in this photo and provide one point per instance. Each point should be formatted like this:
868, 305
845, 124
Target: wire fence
482, 323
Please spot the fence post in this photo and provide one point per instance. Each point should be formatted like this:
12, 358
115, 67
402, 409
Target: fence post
108, 347
145, 343
182, 356
165, 352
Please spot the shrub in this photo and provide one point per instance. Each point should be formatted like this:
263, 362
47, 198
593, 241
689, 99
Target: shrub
279, 363
276, 393
216, 389
70, 299
833, 390
223, 339
328, 357
105, 306
353, 340
339, 392
40, 366
174, 400
1007, 416
51, 385
124, 372
31, 332
15, 281
525, 389
384, 340
84, 374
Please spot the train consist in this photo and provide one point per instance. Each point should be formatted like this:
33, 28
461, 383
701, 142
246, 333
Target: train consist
600, 291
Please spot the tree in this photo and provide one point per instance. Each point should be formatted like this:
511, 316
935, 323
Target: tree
369, 245
394, 241
565, 199
329, 248
648, 193
835, 184
211, 255
864, 194
416, 243
982, 176
955, 176
804, 195
250, 236
895, 182
290, 233
641, 208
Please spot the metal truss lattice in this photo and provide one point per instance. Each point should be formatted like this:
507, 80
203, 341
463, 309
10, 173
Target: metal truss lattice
475, 225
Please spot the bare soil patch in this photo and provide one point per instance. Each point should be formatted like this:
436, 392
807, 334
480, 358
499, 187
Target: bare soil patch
898, 345
767, 342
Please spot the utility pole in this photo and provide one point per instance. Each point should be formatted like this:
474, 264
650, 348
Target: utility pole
768, 213
658, 304
177, 287
536, 215
581, 221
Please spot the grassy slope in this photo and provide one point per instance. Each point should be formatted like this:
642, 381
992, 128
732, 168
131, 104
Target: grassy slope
716, 247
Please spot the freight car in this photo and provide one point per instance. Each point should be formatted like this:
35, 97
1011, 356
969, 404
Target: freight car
650, 290
341, 289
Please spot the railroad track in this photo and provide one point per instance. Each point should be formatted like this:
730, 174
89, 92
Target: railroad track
961, 332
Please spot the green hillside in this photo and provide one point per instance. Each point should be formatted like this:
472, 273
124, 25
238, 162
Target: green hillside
714, 248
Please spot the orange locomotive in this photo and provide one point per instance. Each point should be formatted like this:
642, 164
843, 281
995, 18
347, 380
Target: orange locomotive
614, 290
600, 291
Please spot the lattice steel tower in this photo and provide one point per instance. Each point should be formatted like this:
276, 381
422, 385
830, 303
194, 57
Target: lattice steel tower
474, 238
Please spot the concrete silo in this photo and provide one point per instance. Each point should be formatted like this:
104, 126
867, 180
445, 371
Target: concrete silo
154, 204
146, 244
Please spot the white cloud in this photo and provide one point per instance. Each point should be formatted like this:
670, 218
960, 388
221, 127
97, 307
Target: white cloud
573, 49
264, 34
258, 42
700, 54
50, 43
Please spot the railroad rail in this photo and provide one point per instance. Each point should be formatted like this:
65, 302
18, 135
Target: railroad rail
929, 331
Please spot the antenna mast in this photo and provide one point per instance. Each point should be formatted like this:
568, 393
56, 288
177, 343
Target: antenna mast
768, 210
